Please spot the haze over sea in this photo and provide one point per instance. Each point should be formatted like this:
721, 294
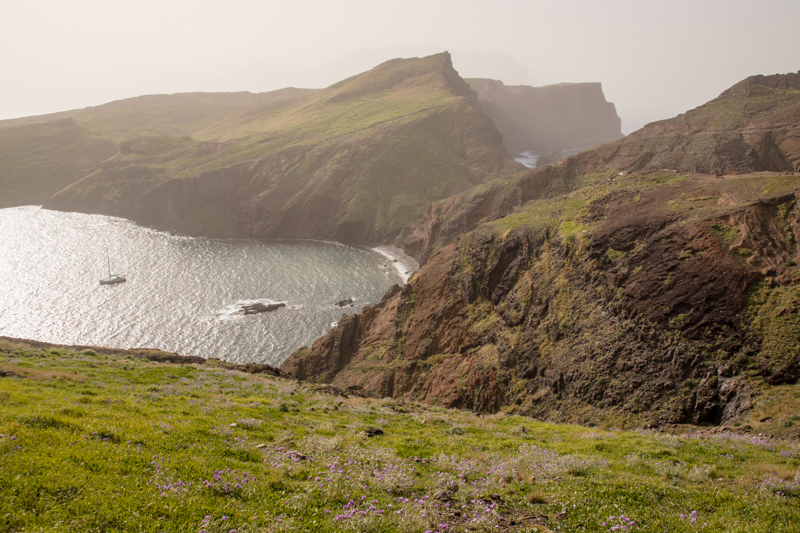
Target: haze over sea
182, 292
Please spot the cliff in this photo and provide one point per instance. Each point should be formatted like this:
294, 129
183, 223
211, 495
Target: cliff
648, 300
354, 162
603, 288
542, 119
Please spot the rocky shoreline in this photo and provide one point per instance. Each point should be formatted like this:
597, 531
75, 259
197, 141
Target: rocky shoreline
403, 264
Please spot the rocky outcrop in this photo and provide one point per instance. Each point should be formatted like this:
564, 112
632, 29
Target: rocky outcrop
635, 308
753, 126
542, 119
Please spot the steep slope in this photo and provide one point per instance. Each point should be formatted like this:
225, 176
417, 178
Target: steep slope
41, 155
648, 300
354, 162
543, 119
38, 160
752, 127
588, 291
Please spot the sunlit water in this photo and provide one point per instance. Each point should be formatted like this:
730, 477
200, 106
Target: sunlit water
182, 292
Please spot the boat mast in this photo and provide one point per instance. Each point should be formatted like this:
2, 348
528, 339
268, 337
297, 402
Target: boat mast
108, 256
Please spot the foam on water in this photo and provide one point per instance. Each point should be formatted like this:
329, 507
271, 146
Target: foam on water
527, 158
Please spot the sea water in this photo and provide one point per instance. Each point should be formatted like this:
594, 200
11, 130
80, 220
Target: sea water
182, 294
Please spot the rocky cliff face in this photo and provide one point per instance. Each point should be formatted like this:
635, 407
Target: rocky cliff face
643, 302
355, 162
604, 288
542, 119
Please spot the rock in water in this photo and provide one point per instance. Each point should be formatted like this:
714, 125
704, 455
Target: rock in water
344, 303
258, 307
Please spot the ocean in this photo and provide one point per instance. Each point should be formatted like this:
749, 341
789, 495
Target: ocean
182, 294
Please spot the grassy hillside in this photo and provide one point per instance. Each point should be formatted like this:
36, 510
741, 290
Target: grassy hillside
753, 126
41, 155
159, 114
98, 440
38, 160
354, 162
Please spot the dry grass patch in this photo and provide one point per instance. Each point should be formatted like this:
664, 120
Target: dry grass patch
39, 374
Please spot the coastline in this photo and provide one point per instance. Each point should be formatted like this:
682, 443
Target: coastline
404, 264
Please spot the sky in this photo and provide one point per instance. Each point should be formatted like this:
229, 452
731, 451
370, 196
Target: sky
654, 59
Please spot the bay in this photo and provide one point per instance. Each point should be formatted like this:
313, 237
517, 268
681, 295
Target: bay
182, 293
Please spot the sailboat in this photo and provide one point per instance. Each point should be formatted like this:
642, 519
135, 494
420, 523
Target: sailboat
112, 278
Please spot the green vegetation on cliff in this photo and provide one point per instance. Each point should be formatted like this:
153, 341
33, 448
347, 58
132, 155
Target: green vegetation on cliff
158, 114
635, 300
99, 440
38, 160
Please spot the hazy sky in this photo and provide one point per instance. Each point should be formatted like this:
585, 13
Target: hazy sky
654, 59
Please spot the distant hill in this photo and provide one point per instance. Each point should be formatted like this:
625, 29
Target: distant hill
619, 286
354, 162
41, 155
567, 116
38, 160
357, 161
159, 114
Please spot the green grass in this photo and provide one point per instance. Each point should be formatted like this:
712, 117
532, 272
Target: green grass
775, 319
111, 442
38, 160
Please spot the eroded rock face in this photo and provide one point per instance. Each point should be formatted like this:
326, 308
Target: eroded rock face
642, 319
557, 117
753, 126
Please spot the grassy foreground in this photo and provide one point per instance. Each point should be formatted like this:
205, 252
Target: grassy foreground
115, 442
